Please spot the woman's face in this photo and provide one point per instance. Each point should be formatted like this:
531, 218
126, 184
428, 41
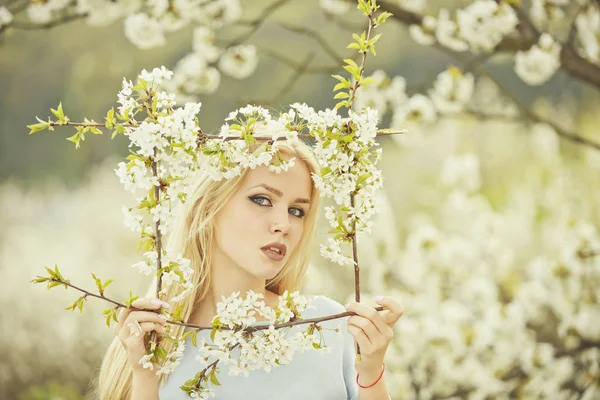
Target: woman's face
267, 208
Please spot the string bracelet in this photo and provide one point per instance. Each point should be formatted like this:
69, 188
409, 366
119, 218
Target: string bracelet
365, 387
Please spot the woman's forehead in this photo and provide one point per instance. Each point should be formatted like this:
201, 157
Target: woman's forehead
296, 181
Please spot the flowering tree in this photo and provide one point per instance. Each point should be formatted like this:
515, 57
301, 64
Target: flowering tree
504, 305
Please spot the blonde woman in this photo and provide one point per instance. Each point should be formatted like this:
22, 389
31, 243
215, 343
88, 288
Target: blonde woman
254, 232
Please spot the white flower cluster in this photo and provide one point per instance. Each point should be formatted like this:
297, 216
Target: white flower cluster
344, 150
588, 32
543, 12
537, 65
487, 319
381, 95
479, 27
42, 12
452, 92
262, 349
6, 16
228, 158
146, 24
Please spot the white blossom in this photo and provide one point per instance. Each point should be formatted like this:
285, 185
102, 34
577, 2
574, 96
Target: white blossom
484, 24
537, 65
239, 61
143, 31
335, 7
588, 32
424, 34
416, 6
418, 109
447, 34
452, 90
204, 43
6, 16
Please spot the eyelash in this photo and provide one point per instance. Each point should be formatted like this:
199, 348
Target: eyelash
253, 198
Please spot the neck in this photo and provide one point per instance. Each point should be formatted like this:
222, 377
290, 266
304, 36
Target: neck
223, 284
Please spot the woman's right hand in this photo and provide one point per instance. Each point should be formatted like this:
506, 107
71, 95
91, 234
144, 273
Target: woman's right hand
148, 321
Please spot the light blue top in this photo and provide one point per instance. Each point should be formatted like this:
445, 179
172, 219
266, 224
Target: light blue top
310, 375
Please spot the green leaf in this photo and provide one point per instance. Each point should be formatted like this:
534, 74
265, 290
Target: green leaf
341, 95
58, 113
367, 81
39, 279
110, 118
354, 46
212, 334
213, 378
362, 178
95, 130
382, 18
52, 284
352, 70
38, 127
351, 62
375, 39
339, 78
98, 283
342, 85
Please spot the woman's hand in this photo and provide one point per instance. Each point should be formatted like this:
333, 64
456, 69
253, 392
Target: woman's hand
133, 326
373, 331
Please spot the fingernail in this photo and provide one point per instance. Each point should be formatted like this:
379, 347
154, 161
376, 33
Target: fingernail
156, 302
165, 304
378, 298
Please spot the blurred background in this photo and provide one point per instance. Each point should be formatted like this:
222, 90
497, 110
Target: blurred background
488, 232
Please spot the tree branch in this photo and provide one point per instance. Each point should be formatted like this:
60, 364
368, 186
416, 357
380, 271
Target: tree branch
571, 61
204, 328
257, 22
318, 38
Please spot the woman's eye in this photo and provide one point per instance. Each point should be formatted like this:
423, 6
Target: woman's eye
257, 200
263, 201
300, 213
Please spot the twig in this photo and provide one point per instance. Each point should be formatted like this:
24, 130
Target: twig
48, 25
318, 38
257, 22
294, 78
203, 328
380, 132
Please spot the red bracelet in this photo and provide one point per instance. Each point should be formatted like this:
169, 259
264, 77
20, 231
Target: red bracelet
364, 387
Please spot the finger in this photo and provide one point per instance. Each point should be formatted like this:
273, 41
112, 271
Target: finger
144, 316
360, 337
123, 313
375, 338
152, 326
370, 313
396, 310
141, 303
149, 304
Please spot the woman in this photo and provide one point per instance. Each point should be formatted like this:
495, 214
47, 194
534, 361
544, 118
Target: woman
227, 230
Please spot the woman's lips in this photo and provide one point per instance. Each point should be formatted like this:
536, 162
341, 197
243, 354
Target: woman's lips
272, 255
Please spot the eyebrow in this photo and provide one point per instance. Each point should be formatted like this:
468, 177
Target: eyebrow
279, 193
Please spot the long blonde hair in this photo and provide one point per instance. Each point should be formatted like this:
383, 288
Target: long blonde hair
192, 236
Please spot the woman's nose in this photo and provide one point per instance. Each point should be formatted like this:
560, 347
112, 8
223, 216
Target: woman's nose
281, 222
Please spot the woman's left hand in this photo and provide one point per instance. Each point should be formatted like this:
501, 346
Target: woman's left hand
373, 331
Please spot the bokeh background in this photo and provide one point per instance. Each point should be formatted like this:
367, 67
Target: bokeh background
488, 232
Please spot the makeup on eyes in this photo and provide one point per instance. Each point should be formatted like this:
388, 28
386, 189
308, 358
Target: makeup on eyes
253, 199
